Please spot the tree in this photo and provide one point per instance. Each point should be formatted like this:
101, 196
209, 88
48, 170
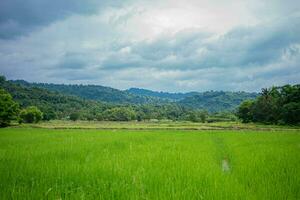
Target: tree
291, 113
8, 108
49, 114
99, 117
31, 115
192, 116
74, 116
203, 116
244, 111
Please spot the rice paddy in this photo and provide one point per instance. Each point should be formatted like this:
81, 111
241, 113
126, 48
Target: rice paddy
39, 163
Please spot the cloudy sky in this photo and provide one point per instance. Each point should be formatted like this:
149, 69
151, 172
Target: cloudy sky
166, 45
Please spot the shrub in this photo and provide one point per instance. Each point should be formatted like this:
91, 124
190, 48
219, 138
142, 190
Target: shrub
74, 116
31, 115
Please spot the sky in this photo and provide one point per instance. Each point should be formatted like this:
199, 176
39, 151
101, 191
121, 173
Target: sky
163, 45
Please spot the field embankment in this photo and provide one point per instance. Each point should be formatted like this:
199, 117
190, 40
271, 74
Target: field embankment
157, 125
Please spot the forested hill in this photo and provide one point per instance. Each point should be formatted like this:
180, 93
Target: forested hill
215, 101
212, 101
94, 92
52, 104
163, 95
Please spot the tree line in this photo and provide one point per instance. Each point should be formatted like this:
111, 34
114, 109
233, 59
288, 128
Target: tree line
11, 111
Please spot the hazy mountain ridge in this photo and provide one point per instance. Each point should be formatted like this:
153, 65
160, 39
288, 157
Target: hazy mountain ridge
215, 101
164, 95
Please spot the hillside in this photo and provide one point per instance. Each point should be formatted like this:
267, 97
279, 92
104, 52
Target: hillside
56, 105
94, 92
216, 101
212, 101
163, 95
52, 104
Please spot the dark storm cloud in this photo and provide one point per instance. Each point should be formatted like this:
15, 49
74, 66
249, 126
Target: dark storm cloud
18, 17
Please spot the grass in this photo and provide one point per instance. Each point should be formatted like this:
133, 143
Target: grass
152, 125
38, 163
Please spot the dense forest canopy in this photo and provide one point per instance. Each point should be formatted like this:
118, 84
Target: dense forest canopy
163, 95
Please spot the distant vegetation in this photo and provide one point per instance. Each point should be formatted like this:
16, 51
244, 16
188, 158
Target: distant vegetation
211, 101
216, 101
278, 105
93, 92
162, 95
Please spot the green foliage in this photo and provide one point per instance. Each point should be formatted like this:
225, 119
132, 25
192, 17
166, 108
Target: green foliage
244, 111
161, 95
31, 115
291, 113
54, 105
212, 101
120, 114
222, 117
195, 116
74, 116
93, 92
274, 105
8, 108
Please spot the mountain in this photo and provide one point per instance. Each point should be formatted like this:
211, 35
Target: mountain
212, 101
94, 92
163, 95
216, 101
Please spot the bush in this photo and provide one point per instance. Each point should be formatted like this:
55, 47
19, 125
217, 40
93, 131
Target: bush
74, 116
291, 113
119, 114
49, 115
8, 108
245, 111
31, 115
99, 117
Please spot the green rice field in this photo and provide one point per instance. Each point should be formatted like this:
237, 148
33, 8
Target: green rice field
45, 163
